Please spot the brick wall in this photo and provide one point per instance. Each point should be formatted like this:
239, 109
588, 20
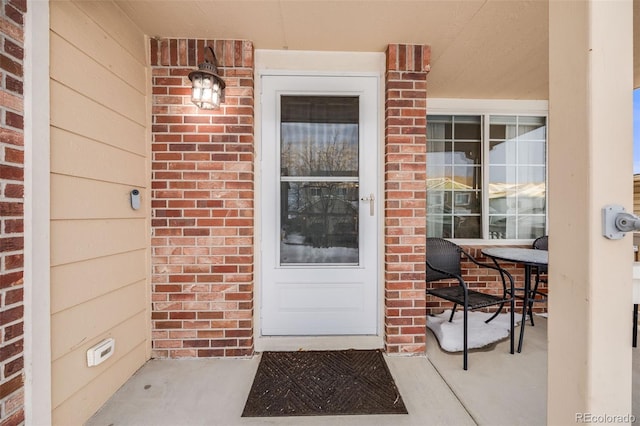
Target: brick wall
11, 211
405, 197
202, 204
203, 213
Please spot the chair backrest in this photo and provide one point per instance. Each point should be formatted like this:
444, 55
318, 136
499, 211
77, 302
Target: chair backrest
541, 243
443, 255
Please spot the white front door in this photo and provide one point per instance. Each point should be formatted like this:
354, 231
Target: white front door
319, 205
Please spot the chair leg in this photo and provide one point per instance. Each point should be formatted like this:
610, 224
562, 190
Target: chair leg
495, 314
453, 311
513, 324
464, 343
635, 325
532, 297
530, 310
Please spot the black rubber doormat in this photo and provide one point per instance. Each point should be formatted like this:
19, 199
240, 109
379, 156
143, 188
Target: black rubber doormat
323, 383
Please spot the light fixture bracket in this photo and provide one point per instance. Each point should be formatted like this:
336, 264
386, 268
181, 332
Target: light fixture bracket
616, 222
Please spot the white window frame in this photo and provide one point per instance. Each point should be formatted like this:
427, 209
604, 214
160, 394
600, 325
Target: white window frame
486, 108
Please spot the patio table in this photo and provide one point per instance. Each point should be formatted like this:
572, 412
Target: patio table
528, 258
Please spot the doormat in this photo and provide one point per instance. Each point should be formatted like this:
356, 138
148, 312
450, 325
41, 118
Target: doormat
323, 383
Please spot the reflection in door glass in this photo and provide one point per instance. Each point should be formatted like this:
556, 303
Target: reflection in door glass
319, 136
319, 180
319, 222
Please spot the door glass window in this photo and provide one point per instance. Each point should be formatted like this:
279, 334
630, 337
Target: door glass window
319, 137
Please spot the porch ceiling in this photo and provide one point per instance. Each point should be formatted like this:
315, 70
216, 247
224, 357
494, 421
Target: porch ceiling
480, 48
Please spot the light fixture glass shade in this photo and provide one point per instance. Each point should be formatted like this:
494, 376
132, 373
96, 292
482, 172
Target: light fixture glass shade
207, 87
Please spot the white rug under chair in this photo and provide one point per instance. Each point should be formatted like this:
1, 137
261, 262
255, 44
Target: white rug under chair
480, 334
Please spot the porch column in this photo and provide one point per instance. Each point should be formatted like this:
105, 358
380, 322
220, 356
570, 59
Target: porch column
405, 197
590, 166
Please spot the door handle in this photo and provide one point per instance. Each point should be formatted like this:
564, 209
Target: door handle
372, 205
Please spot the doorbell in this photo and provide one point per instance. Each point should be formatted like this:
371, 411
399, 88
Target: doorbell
135, 199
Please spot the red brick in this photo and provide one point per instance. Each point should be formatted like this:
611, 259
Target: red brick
11, 65
15, 86
210, 353
13, 367
11, 209
167, 288
14, 419
20, 5
12, 155
12, 297
11, 279
10, 350
167, 324
159, 315
13, 331
16, 14
13, 190
8, 172
210, 315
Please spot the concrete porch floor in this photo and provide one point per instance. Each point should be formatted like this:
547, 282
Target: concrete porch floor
498, 389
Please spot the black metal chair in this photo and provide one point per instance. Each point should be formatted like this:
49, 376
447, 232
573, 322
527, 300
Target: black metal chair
540, 243
636, 276
444, 263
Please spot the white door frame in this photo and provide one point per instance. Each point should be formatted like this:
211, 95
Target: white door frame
318, 64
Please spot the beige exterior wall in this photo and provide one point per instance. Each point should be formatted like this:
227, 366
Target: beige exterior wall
590, 152
99, 244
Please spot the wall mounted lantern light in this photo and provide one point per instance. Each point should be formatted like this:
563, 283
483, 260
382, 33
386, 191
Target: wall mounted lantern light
207, 87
